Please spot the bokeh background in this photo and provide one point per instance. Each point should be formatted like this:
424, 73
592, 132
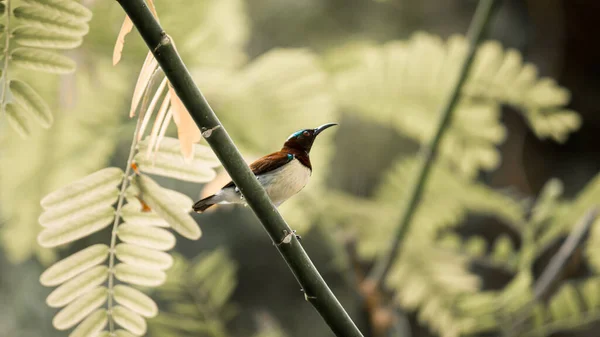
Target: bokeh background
242, 53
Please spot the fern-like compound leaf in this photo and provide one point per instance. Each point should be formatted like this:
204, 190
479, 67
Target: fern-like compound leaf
135, 300
129, 320
165, 206
75, 264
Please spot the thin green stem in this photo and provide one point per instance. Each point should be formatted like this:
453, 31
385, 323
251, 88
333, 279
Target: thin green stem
316, 290
113, 235
480, 21
4, 78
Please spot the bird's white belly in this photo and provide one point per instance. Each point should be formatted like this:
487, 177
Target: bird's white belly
285, 181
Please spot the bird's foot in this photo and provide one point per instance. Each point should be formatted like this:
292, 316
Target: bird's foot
308, 297
288, 237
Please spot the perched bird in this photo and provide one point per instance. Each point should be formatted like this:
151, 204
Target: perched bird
282, 173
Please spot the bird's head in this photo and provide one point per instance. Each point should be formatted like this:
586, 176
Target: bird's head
303, 139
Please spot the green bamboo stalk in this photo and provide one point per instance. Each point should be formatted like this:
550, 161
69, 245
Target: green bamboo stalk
315, 289
479, 24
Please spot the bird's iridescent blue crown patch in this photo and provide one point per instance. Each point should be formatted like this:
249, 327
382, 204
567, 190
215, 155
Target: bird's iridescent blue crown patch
295, 134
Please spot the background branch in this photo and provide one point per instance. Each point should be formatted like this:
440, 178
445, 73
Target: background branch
317, 291
483, 13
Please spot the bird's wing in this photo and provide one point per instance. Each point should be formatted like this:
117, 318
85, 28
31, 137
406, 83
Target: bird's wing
268, 163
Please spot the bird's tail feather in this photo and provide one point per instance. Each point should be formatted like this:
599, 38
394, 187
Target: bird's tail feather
205, 203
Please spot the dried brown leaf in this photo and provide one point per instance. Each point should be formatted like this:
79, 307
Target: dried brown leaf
150, 64
125, 29
187, 130
151, 107
160, 117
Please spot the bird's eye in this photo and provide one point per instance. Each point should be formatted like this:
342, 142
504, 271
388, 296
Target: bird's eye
306, 133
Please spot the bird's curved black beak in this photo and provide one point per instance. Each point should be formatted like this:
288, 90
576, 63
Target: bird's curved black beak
323, 127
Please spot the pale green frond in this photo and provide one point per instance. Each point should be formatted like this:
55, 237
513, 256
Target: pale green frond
143, 257
129, 320
73, 265
59, 235
37, 16
139, 276
503, 249
41, 60
82, 144
69, 9
36, 37
574, 306
197, 294
404, 84
287, 87
79, 285
31, 102
80, 309
85, 188
165, 206
430, 283
16, 117
221, 30
135, 300
91, 325
133, 214
144, 236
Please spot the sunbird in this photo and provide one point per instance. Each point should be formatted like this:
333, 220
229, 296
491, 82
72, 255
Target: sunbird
283, 173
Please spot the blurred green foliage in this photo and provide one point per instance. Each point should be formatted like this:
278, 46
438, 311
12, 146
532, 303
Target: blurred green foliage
396, 86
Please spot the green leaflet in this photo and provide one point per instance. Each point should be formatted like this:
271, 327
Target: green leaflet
84, 190
175, 167
40, 60
37, 37
78, 286
143, 257
129, 320
168, 161
36, 16
68, 9
135, 300
73, 265
93, 222
133, 214
139, 276
92, 324
80, 309
145, 236
164, 205
31, 102
17, 119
